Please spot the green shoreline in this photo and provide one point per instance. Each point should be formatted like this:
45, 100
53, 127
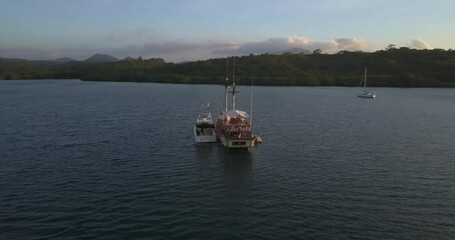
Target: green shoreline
401, 67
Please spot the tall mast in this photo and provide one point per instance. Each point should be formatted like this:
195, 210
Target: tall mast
227, 86
251, 105
233, 85
365, 80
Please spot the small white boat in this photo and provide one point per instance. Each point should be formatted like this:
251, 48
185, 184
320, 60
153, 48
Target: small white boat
366, 93
204, 128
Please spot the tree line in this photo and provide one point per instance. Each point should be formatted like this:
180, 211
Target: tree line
392, 67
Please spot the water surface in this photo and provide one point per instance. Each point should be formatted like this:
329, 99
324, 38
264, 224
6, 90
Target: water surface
118, 161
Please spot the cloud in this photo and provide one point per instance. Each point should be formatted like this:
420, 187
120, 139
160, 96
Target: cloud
419, 44
191, 50
353, 44
174, 51
182, 50
170, 47
135, 36
203, 50
278, 45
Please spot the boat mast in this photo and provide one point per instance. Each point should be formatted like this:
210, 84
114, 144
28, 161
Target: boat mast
233, 85
365, 79
251, 105
227, 86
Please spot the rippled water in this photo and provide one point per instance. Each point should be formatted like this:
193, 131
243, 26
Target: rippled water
117, 161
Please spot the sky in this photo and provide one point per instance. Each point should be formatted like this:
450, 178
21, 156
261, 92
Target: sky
189, 30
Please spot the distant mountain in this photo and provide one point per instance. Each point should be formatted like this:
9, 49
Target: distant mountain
298, 51
65, 60
101, 58
11, 60
129, 59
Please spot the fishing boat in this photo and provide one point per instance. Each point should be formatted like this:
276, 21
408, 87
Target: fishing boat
233, 127
204, 128
363, 84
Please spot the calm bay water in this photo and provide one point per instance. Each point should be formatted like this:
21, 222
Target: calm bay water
118, 161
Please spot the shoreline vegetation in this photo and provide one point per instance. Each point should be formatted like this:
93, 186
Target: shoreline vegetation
392, 67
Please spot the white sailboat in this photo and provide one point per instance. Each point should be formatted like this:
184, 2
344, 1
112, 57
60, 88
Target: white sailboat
366, 93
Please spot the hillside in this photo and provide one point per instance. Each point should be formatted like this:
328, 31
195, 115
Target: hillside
101, 58
65, 60
401, 67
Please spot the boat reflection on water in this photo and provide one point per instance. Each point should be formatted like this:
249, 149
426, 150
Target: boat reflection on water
206, 155
237, 174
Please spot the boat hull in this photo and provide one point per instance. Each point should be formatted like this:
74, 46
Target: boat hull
367, 95
207, 135
237, 143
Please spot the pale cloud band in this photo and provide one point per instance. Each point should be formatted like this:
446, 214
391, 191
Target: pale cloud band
419, 44
279, 45
176, 51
